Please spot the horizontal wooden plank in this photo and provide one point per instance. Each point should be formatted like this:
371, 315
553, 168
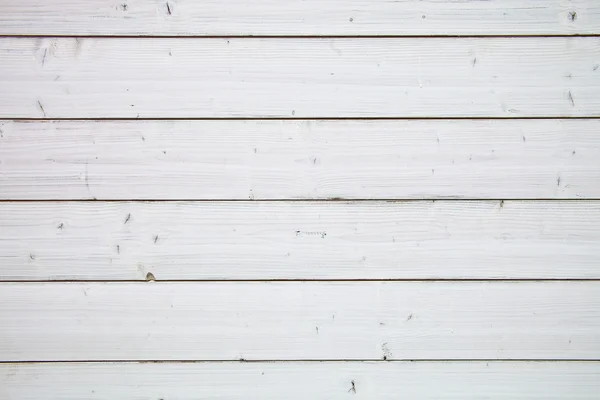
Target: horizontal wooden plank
304, 159
298, 240
295, 17
380, 77
293, 380
299, 320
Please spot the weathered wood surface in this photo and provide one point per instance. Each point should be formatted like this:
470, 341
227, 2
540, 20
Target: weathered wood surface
299, 320
301, 380
375, 159
300, 240
377, 111
298, 17
368, 77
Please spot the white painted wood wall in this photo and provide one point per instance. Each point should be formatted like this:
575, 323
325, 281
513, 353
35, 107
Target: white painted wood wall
300, 199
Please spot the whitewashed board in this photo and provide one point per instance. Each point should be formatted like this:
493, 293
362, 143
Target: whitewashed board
298, 17
301, 380
313, 78
447, 245
307, 159
299, 320
300, 240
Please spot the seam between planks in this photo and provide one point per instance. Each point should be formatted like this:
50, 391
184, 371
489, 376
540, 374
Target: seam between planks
307, 361
438, 36
310, 200
31, 119
282, 280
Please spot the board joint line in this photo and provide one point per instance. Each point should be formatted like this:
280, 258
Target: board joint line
342, 118
334, 360
279, 36
294, 280
315, 200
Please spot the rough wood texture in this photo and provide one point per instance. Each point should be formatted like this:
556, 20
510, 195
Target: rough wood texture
293, 380
299, 320
299, 159
389, 77
298, 17
298, 240
340, 100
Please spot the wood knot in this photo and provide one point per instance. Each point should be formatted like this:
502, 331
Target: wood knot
572, 15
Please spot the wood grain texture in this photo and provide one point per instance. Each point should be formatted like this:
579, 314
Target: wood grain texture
299, 320
298, 240
232, 159
293, 380
295, 17
221, 78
